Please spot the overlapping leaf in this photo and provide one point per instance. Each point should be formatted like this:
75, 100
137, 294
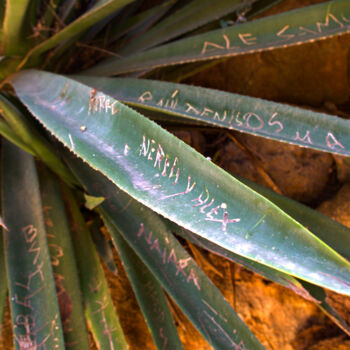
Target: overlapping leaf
103, 246
15, 27
192, 290
63, 264
149, 294
99, 309
34, 308
3, 283
190, 17
96, 14
140, 20
319, 224
172, 179
291, 28
232, 111
29, 138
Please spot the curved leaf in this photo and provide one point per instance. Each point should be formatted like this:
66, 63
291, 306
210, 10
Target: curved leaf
149, 294
319, 224
96, 14
193, 15
320, 295
286, 29
10, 135
103, 246
3, 283
15, 27
101, 186
99, 308
32, 139
63, 264
172, 179
255, 116
35, 313
140, 20
159, 250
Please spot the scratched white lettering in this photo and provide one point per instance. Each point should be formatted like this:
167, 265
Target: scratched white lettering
247, 38
306, 138
277, 123
332, 142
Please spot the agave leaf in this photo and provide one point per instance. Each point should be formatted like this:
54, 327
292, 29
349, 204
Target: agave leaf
119, 202
105, 187
167, 176
92, 202
319, 224
35, 313
248, 10
255, 116
286, 29
271, 274
3, 283
16, 27
8, 65
307, 290
96, 14
50, 13
66, 9
99, 309
32, 139
149, 294
2, 13
260, 6
63, 263
140, 20
7, 132
179, 275
320, 295
103, 246
193, 15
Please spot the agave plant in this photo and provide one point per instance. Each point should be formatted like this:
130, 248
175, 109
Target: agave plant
73, 133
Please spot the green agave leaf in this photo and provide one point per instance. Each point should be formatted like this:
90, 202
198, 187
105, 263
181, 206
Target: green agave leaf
35, 313
172, 179
235, 112
96, 14
149, 294
103, 246
31, 139
189, 17
7, 132
92, 202
323, 304
99, 309
67, 8
271, 274
249, 10
8, 65
50, 12
286, 29
319, 224
308, 291
120, 202
2, 13
179, 275
63, 263
260, 6
140, 20
3, 283
15, 27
